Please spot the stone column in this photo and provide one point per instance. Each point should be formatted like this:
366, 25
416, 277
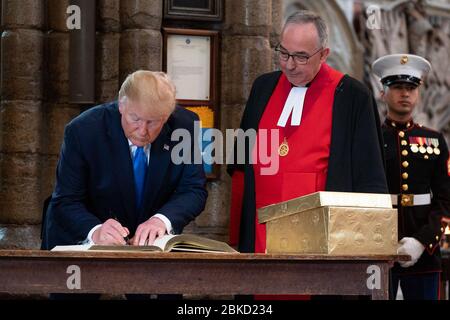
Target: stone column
22, 54
246, 51
277, 24
107, 50
58, 111
141, 39
245, 54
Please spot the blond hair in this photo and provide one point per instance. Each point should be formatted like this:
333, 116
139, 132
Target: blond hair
151, 89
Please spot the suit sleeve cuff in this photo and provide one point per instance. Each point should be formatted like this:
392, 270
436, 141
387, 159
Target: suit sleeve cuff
166, 221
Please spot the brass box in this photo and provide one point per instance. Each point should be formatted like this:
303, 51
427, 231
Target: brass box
332, 223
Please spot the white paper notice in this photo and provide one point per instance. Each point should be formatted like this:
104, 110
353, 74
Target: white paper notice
188, 65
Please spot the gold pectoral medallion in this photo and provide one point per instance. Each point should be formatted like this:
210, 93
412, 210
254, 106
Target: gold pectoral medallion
283, 149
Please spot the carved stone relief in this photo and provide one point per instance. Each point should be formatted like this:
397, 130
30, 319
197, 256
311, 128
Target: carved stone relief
417, 27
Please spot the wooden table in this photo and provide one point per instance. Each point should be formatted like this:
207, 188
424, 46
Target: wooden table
40, 272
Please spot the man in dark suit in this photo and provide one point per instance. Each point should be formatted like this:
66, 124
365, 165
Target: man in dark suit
115, 176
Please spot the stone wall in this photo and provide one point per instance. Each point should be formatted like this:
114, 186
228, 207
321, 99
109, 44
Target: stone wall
22, 113
35, 92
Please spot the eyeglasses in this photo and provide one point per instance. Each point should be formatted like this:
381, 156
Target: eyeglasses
298, 58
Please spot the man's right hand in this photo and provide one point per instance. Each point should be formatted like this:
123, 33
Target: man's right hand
412, 247
111, 232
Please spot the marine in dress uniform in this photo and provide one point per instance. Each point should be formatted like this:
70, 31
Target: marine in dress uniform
417, 171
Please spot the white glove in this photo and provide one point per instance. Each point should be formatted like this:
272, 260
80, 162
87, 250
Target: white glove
411, 247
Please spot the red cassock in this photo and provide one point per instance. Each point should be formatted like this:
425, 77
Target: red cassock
304, 169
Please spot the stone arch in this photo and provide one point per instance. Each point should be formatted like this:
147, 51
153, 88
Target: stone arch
346, 51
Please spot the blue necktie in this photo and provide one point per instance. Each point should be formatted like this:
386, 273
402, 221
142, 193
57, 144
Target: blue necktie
140, 170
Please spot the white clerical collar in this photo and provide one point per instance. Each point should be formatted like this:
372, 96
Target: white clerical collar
293, 106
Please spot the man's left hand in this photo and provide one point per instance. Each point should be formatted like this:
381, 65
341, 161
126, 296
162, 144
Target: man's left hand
147, 232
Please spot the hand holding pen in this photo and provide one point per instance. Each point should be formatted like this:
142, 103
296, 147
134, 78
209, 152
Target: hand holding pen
111, 232
125, 238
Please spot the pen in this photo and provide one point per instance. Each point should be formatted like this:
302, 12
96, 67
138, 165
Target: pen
113, 216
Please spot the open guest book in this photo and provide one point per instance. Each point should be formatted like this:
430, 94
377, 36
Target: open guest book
181, 242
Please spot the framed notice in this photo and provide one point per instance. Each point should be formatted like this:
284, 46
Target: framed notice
191, 59
192, 10
189, 66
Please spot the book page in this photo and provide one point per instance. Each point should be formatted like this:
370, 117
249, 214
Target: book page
162, 241
124, 248
190, 242
80, 247
168, 242
197, 249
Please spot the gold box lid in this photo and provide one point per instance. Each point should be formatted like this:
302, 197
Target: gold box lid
322, 199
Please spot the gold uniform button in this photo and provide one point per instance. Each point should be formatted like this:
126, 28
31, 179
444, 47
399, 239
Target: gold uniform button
401, 134
426, 157
431, 246
405, 187
437, 238
405, 175
404, 143
405, 164
404, 153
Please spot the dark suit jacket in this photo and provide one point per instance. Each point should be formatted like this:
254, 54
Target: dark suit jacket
356, 162
95, 178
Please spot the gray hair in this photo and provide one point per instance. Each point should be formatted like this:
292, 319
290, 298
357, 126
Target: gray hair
304, 17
